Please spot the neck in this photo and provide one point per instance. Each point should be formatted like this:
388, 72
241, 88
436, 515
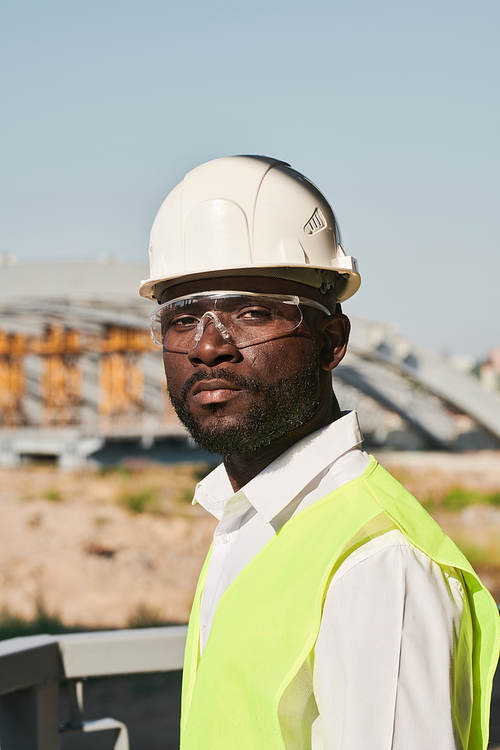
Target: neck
243, 468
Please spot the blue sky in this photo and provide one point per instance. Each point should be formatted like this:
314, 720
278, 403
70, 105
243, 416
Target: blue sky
391, 108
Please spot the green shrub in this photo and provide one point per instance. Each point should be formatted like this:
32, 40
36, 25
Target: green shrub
186, 496
140, 502
14, 626
145, 617
53, 495
458, 498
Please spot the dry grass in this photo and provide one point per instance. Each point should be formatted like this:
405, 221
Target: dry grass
124, 545
108, 548
137, 486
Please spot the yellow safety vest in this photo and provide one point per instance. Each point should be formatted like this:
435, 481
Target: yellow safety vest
268, 619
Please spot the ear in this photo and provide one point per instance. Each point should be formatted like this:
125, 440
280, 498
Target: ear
334, 331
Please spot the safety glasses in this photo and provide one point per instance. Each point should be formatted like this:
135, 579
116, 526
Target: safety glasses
242, 318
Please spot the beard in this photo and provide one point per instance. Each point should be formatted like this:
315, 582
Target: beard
277, 409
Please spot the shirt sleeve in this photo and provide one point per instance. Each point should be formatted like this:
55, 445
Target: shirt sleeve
392, 660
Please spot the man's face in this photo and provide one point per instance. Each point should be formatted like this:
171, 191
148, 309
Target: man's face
235, 401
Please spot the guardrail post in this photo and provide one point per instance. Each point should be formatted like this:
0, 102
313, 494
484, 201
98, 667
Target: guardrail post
76, 724
29, 718
75, 698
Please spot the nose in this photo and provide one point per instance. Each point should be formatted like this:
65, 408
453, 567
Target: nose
212, 348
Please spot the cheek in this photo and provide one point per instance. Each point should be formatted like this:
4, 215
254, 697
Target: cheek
284, 358
177, 371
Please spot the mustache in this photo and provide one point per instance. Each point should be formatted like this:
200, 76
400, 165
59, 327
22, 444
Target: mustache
220, 373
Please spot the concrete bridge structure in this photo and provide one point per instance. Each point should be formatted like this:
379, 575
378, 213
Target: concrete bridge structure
77, 369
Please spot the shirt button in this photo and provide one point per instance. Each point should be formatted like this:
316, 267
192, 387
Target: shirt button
224, 538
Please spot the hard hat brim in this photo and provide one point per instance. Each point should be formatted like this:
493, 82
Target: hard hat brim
347, 280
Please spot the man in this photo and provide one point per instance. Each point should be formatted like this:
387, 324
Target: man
332, 613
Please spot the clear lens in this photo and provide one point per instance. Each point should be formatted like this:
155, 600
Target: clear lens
242, 318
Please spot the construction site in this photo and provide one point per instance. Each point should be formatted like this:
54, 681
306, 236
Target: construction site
79, 373
96, 534
77, 365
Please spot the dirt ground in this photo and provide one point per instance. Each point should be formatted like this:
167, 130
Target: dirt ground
77, 543
71, 542
104, 549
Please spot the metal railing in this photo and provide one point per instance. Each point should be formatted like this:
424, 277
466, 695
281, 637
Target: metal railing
32, 667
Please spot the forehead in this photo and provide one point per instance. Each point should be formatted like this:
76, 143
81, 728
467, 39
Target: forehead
260, 284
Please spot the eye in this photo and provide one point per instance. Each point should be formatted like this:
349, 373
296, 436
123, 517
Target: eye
179, 323
252, 315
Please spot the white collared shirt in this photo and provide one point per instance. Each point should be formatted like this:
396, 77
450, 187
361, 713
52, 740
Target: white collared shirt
382, 661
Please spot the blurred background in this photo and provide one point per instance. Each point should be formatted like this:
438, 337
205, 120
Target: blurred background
393, 110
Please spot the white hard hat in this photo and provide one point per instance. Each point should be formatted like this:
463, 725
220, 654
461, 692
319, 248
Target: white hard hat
248, 216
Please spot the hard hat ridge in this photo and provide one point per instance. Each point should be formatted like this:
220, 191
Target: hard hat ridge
252, 216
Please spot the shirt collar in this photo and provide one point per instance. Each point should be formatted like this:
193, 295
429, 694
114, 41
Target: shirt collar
270, 491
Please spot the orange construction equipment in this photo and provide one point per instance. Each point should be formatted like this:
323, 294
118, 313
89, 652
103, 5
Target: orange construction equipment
12, 380
61, 378
121, 378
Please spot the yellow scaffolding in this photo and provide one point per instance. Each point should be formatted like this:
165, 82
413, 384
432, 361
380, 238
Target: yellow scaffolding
121, 378
12, 379
120, 374
61, 378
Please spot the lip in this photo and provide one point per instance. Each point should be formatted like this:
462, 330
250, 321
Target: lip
213, 391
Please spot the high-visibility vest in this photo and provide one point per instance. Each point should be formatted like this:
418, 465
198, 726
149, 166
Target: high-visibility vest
268, 619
